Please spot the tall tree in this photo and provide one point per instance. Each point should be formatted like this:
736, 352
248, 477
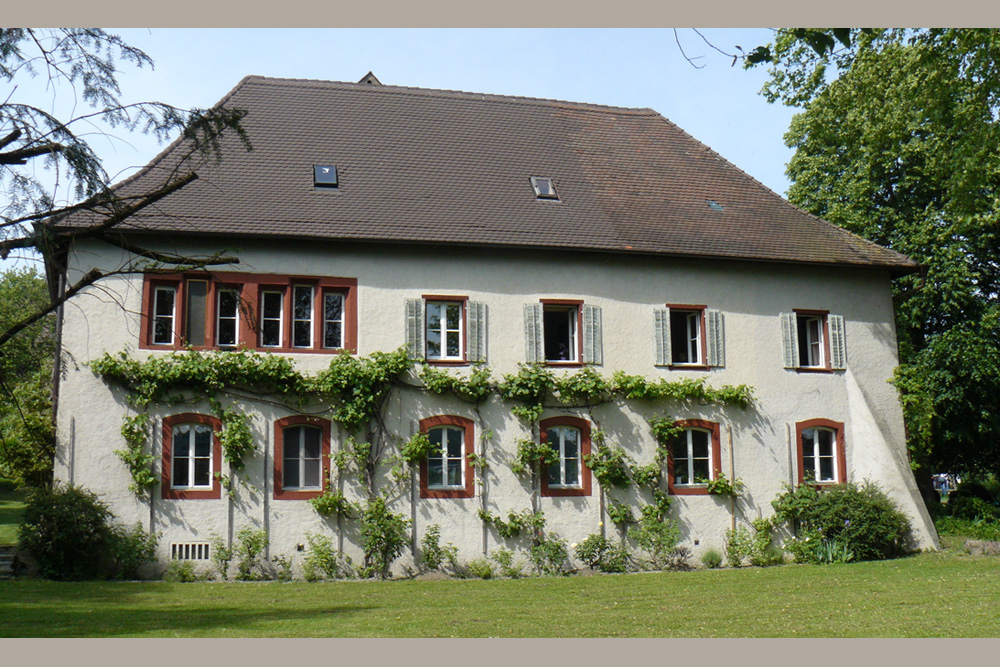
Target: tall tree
49, 169
899, 141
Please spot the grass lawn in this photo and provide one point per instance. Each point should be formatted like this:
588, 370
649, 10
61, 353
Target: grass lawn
944, 594
11, 507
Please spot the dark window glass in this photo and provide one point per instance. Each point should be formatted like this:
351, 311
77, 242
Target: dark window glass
197, 293
559, 324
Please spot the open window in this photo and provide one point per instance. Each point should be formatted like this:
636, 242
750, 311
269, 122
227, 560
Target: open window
689, 337
563, 332
813, 340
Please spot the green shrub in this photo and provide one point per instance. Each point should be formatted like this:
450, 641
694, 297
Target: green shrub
972, 508
603, 554
433, 554
66, 531
180, 571
549, 555
971, 489
480, 568
131, 549
282, 566
979, 529
250, 545
323, 561
656, 535
384, 535
504, 558
222, 556
711, 558
859, 516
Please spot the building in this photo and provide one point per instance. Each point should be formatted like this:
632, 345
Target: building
490, 230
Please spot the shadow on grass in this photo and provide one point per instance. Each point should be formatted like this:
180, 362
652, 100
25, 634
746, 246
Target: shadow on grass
51, 609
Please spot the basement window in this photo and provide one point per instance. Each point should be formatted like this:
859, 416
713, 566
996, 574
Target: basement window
544, 188
325, 176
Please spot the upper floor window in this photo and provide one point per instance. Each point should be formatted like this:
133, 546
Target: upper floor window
569, 438
268, 312
301, 457
191, 456
694, 458
446, 329
821, 452
563, 332
813, 340
447, 471
688, 336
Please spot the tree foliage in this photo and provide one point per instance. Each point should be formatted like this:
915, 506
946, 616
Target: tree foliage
898, 141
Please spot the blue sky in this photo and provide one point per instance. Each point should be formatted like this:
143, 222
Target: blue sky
717, 104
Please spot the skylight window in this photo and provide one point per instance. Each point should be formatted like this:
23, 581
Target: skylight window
544, 188
714, 205
325, 176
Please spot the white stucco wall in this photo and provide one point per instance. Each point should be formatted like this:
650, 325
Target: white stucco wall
751, 296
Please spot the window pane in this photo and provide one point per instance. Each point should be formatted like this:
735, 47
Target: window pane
433, 343
434, 316
163, 330
699, 444
454, 344
825, 442
682, 472
435, 435
572, 472
701, 472
332, 336
435, 472
271, 333
180, 474
826, 469
202, 472
303, 303
291, 472
554, 474
559, 325
454, 473
455, 444
182, 441
272, 305
228, 303
311, 474
227, 331
302, 334
197, 294
679, 337
453, 315
312, 444
571, 443
334, 306
164, 301
292, 437
202, 441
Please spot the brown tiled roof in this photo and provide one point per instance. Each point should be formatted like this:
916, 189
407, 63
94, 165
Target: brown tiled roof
433, 166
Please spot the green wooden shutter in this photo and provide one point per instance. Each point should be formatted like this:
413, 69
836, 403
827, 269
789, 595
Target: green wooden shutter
533, 334
477, 331
415, 327
661, 335
838, 342
593, 352
715, 336
790, 339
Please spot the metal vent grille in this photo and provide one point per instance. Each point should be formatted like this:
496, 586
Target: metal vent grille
189, 551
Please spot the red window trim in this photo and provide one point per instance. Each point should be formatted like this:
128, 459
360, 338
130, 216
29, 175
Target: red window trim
167, 469
464, 300
279, 455
470, 483
586, 481
250, 286
827, 366
841, 449
702, 364
716, 437
579, 331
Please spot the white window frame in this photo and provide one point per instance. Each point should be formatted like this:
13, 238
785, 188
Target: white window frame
446, 460
692, 341
235, 317
690, 458
343, 306
573, 316
312, 315
302, 458
812, 434
159, 289
559, 431
264, 294
443, 329
193, 426
815, 353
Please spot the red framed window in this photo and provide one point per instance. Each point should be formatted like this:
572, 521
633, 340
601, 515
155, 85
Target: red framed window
301, 457
259, 311
192, 457
822, 457
570, 438
695, 458
447, 472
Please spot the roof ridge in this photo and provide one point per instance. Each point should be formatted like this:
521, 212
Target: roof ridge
449, 94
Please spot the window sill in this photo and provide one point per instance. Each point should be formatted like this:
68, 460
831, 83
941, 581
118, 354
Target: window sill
689, 367
689, 490
813, 369
298, 495
192, 494
565, 364
457, 493
564, 492
447, 362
